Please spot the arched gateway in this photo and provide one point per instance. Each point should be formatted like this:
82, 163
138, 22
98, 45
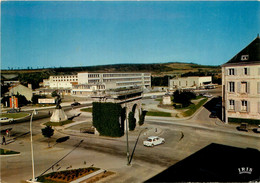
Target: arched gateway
129, 100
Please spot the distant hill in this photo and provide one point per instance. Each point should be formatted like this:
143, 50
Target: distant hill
157, 69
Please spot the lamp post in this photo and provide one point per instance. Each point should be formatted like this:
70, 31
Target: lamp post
126, 132
33, 113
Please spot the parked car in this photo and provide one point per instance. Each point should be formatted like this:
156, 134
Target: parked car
243, 127
213, 114
208, 95
5, 120
75, 104
153, 140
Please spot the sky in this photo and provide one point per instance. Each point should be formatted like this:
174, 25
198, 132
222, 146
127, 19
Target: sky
85, 33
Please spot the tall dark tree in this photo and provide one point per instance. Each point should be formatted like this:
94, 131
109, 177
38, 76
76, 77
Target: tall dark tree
48, 133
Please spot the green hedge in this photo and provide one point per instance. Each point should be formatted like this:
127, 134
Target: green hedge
243, 120
193, 108
158, 113
106, 119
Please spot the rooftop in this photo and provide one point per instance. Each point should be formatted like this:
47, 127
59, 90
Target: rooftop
249, 55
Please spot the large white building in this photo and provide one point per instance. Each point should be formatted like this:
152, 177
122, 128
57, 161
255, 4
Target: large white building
241, 85
192, 82
85, 83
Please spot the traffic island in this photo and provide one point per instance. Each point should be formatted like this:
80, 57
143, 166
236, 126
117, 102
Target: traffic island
58, 123
7, 152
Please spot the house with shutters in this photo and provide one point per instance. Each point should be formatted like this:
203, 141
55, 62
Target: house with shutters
241, 85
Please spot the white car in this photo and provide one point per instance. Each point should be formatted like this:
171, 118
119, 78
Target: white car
153, 141
5, 119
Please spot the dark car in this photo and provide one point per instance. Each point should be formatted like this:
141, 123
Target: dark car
75, 104
243, 127
213, 114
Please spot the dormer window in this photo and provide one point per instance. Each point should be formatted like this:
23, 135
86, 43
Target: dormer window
244, 57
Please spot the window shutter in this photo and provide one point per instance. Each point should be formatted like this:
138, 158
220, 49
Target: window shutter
226, 71
237, 106
258, 70
248, 87
248, 71
238, 87
235, 71
258, 87
258, 107
248, 106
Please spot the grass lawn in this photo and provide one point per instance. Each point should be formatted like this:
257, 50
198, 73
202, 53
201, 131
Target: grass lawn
66, 176
193, 108
86, 109
14, 115
158, 113
58, 123
7, 152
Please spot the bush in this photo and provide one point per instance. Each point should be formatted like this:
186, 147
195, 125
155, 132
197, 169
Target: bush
142, 117
106, 119
36, 97
184, 97
131, 120
243, 120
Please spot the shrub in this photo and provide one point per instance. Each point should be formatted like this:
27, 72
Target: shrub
131, 120
184, 97
142, 117
243, 120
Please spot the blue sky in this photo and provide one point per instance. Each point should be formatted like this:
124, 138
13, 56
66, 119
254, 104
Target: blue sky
85, 33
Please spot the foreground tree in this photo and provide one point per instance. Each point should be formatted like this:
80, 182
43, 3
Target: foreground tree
48, 133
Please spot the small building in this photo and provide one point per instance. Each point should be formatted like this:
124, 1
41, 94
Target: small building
192, 82
241, 85
22, 90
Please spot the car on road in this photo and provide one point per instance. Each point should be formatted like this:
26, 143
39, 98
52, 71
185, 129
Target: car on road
243, 127
75, 104
6, 120
153, 141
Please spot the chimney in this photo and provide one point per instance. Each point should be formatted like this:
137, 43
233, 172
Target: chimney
29, 85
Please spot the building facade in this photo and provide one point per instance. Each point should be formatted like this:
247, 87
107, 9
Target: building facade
85, 83
192, 82
241, 85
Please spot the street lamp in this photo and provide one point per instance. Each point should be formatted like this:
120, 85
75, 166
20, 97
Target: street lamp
33, 113
126, 133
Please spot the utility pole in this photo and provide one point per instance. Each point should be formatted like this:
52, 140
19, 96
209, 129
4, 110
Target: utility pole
126, 132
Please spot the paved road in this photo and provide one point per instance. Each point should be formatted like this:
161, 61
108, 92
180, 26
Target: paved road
182, 139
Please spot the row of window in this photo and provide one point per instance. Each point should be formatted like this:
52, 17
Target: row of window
93, 75
242, 87
63, 77
240, 71
122, 84
120, 75
66, 80
242, 105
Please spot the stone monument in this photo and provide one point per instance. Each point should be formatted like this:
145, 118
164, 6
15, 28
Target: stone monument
167, 100
58, 114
